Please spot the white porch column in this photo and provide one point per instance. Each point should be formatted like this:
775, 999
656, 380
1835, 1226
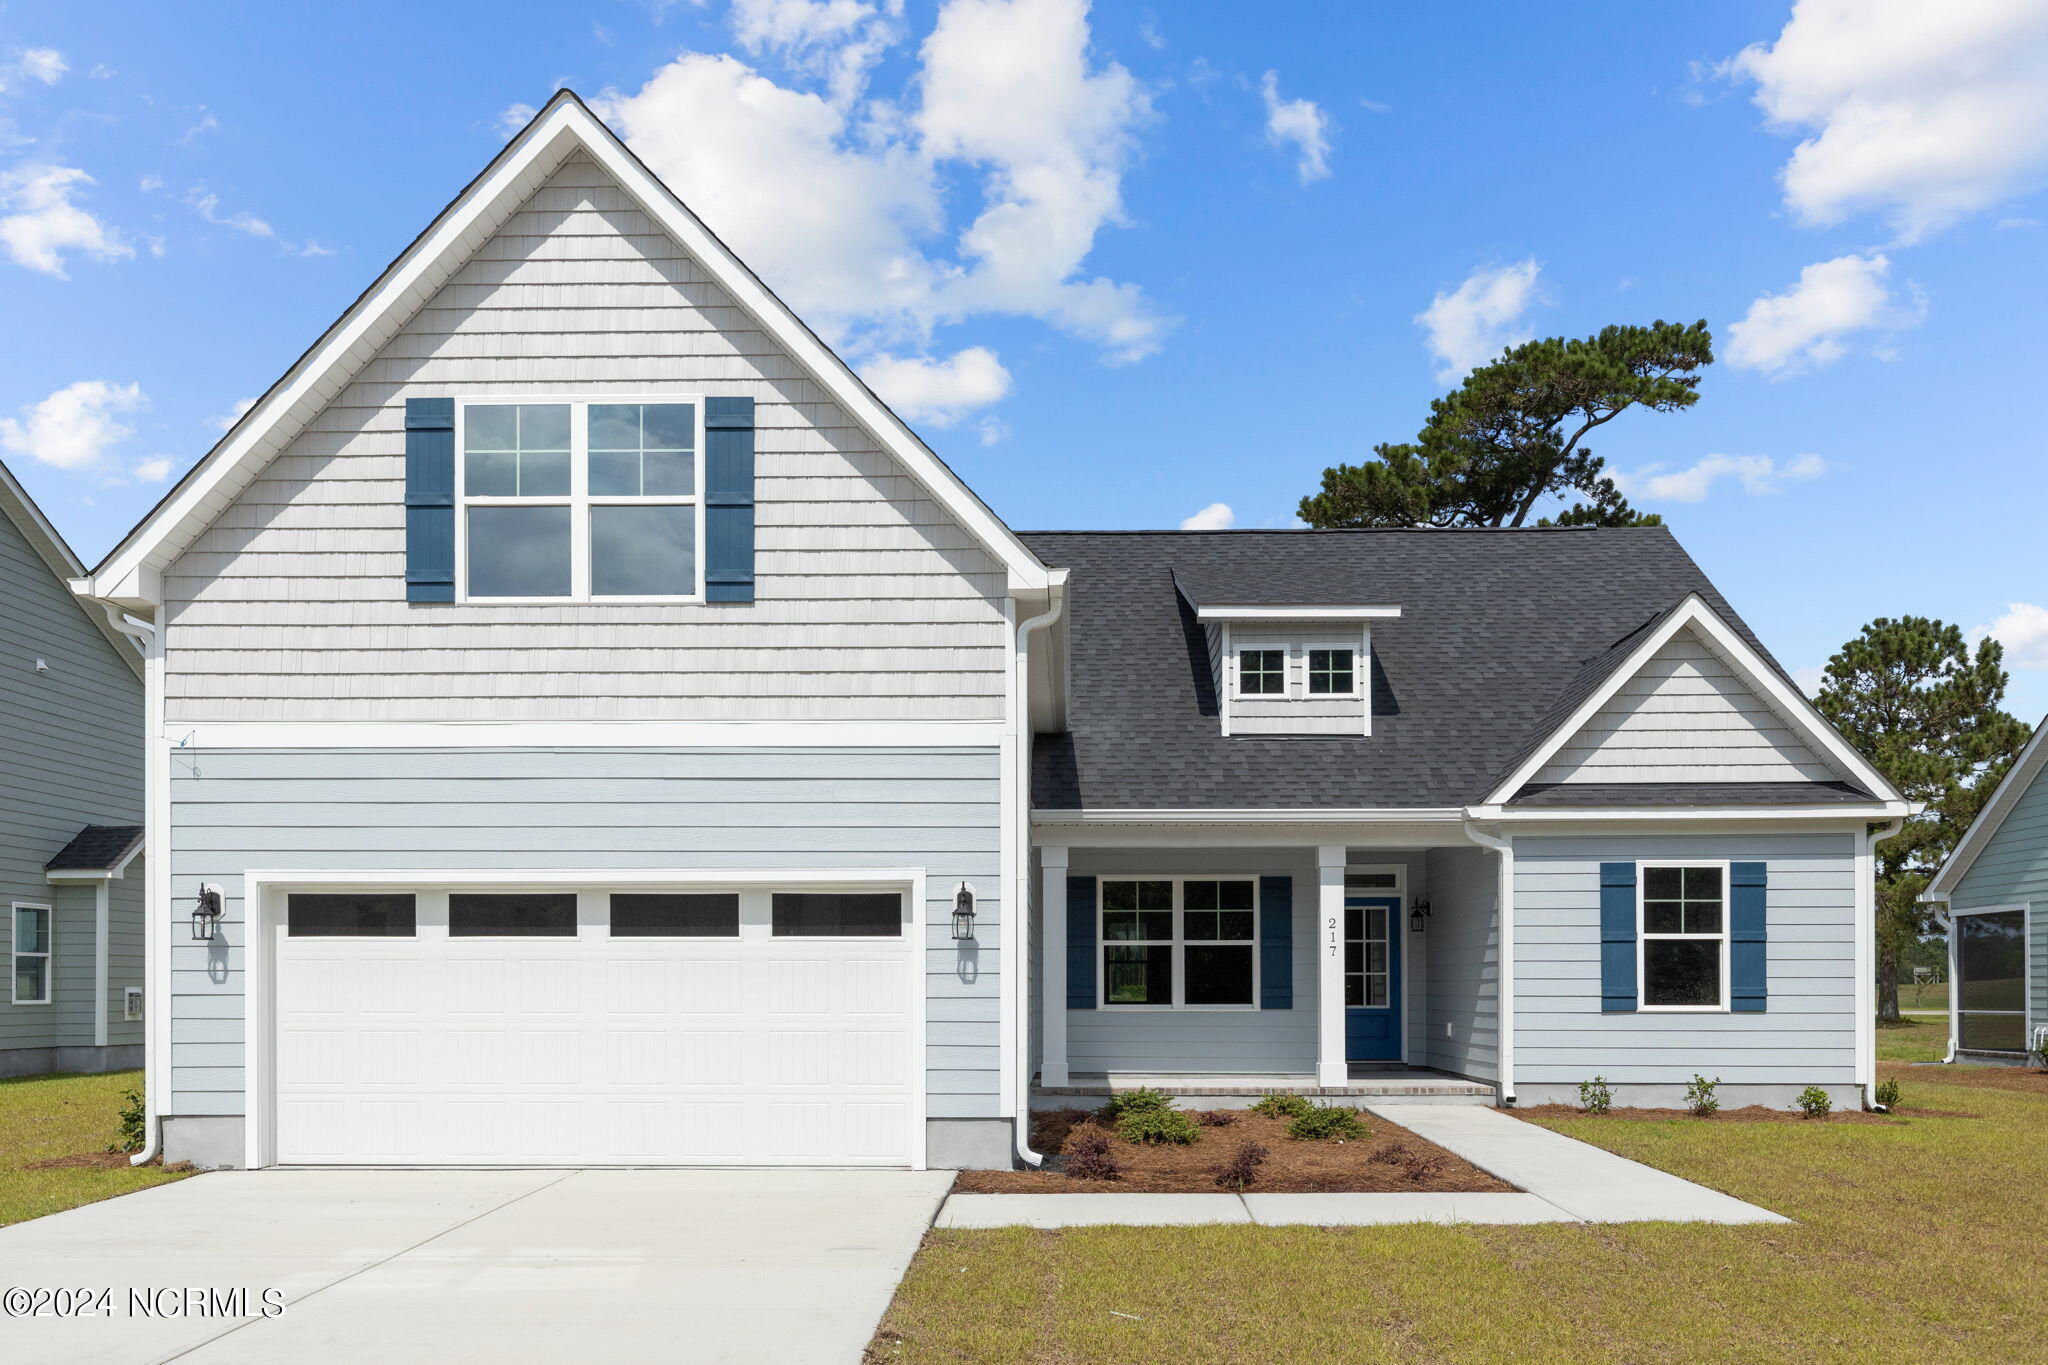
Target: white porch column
1331, 1066
1052, 965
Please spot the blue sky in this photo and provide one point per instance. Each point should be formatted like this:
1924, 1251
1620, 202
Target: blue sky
1123, 265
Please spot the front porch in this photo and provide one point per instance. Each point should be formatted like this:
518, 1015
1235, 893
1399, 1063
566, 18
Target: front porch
1221, 964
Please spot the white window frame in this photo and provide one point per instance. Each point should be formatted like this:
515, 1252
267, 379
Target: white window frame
48, 955
1643, 867
1178, 943
1309, 647
579, 499
1285, 652
2025, 910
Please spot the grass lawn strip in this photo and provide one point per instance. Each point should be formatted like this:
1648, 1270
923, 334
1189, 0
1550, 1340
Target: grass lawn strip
1840, 1285
1914, 1040
1292, 1166
54, 1131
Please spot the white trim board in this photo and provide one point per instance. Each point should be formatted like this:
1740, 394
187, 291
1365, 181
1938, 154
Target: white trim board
1695, 614
131, 573
1289, 614
2027, 1009
2018, 780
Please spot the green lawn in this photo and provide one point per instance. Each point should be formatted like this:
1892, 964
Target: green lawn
1914, 1040
51, 1117
1843, 1284
1931, 998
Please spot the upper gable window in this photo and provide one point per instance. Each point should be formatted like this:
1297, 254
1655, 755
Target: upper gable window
580, 501
1332, 673
1262, 672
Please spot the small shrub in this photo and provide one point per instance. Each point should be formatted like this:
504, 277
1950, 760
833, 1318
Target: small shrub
130, 1132
1215, 1118
1242, 1168
1888, 1093
2039, 1051
1139, 1101
1088, 1157
1595, 1096
1815, 1102
1420, 1166
1335, 1123
1393, 1154
1278, 1106
1149, 1126
1700, 1097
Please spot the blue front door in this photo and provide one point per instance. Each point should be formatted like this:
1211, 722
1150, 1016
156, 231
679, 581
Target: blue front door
1372, 978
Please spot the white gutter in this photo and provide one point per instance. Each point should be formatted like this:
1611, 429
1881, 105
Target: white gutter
1866, 958
1017, 904
1505, 895
156, 893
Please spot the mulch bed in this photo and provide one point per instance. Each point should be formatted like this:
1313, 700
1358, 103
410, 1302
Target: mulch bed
94, 1160
1755, 1113
1292, 1166
2022, 1078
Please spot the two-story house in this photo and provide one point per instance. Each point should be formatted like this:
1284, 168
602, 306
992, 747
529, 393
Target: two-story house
608, 734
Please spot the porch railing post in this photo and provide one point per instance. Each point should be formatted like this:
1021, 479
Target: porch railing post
1331, 1066
1052, 965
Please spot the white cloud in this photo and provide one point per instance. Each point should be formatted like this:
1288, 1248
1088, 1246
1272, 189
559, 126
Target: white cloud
44, 64
840, 40
156, 469
1481, 317
207, 123
227, 419
1923, 112
45, 224
208, 207
1757, 474
2023, 630
1811, 678
1807, 325
74, 426
852, 228
1217, 516
2008, 224
1300, 124
513, 117
938, 391
150, 184
313, 248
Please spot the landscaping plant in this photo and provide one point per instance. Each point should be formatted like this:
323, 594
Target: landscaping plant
1815, 1102
1242, 1168
1088, 1157
1888, 1093
129, 1130
1140, 1101
1215, 1118
1595, 1097
2039, 1052
1278, 1106
1700, 1097
1158, 1125
1336, 1123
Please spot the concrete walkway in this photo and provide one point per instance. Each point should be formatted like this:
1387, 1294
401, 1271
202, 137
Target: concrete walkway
499, 1266
1563, 1181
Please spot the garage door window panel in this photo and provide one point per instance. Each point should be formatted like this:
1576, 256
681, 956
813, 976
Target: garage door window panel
512, 915
836, 914
675, 915
351, 915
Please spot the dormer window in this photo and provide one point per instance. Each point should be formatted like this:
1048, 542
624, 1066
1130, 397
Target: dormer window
1332, 673
1262, 673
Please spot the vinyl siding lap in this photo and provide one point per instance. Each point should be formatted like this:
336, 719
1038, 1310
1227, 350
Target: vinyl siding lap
872, 603
1461, 1032
1807, 1034
2012, 869
234, 810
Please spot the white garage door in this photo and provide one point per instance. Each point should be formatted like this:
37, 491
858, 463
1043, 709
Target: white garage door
578, 1027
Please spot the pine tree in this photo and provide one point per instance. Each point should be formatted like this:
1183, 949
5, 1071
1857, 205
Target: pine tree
1930, 716
1513, 434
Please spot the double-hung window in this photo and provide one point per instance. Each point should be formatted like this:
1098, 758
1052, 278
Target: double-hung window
1262, 672
579, 501
1332, 673
1179, 942
1684, 938
31, 954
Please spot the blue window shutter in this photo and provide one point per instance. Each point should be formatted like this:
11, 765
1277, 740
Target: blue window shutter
1276, 943
430, 499
728, 499
1080, 943
1617, 937
1747, 990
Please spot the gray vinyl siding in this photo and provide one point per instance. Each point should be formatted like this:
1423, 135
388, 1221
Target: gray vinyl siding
873, 602
602, 809
1687, 717
73, 739
1297, 713
2012, 869
1461, 1032
1806, 1036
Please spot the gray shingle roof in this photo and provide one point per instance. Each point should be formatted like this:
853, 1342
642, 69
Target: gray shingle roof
96, 848
1501, 633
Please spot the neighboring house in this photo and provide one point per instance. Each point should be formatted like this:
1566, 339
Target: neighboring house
70, 828
609, 734
1994, 888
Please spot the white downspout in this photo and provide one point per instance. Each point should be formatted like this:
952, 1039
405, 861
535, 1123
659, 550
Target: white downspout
156, 884
1866, 958
1015, 951
1505, 896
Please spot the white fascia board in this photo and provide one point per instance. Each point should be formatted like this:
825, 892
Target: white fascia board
1256, 613
564, 126
80, 874
1851, 811
272, 878
1694, 613
1409, 815
2015, 784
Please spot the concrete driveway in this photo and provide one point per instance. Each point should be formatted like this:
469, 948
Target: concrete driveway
697, 1266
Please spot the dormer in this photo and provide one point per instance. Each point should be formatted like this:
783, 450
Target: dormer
1293, 669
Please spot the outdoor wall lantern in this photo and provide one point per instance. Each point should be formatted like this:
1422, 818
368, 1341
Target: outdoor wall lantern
1416, 916
206, 913
963, 912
